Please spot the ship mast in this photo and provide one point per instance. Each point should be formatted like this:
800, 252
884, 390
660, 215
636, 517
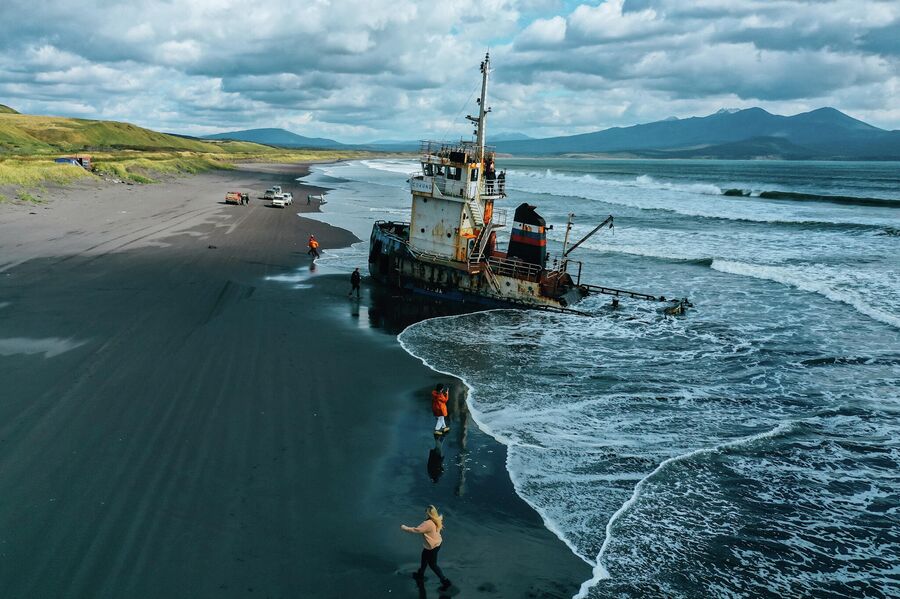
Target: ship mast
482, 109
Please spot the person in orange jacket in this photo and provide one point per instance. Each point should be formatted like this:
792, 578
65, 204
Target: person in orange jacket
439, 398
313, 246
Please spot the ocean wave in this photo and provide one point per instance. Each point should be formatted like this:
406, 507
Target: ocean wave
813, 197
795, 278
694, 188
600, 571
404, 167
682, 198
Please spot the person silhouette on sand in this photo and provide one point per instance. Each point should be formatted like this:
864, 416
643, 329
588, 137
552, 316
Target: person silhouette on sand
436, 460
355, 278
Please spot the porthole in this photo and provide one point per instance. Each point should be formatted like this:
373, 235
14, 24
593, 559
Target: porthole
448, 235
423, 230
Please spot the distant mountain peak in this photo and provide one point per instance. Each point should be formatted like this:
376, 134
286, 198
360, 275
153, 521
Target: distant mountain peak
277, 137
725, 111
507, 136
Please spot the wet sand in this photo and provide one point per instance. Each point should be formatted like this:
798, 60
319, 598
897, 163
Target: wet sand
187, 411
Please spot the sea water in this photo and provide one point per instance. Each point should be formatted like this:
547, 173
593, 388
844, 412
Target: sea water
749, 448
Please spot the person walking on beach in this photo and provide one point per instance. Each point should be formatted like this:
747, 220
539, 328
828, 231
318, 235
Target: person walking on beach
439, 398
354, 282
313, 247
430, 529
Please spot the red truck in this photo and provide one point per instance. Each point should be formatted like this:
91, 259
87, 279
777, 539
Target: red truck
236, 197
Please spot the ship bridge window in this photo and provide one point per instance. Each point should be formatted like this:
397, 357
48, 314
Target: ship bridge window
474, 176
454, 172
439, 170
428, 169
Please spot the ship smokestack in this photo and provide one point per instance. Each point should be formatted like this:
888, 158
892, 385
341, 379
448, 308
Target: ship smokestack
528, 240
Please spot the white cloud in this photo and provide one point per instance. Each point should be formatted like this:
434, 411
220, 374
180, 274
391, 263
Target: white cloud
542, 33
399, 69
607, 21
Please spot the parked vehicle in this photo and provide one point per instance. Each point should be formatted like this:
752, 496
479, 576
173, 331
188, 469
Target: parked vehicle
233, 197
273, 192
282, 201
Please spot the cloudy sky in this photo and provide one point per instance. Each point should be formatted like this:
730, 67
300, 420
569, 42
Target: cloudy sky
402, 69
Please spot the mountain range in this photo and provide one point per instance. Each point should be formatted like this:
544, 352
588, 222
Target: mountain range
753, 133
825, 133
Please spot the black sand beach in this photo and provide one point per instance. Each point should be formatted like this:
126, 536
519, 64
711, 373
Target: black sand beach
187, 411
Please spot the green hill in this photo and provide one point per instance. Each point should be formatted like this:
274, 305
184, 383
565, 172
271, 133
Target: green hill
7, 110
29, 144
23, 134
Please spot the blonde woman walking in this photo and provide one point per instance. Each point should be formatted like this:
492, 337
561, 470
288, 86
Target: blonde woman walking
430, 529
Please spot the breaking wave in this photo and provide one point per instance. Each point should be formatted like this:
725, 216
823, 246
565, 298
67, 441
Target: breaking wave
795, 277
813, 197
696, 200
600, 572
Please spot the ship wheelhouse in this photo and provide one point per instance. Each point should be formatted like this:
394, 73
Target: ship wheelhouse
453, 201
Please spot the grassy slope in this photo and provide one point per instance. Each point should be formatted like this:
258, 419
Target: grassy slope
27, 134
28, 145
4, 109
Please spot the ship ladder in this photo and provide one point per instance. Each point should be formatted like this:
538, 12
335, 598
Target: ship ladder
480, 245
489, 276
475, 209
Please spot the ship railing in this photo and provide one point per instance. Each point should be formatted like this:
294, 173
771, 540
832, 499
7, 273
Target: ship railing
515, 269
397, 229
469, 150
494, 188
430, 257
565, 266
499, 217
437, 186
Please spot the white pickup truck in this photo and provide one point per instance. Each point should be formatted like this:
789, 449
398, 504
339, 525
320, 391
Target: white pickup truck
283, 200
273, 192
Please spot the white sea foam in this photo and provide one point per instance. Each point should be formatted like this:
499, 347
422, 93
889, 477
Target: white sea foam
816, 279
404, 167
49, 346
600, 572
694, 188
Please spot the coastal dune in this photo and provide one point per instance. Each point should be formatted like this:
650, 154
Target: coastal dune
189, 411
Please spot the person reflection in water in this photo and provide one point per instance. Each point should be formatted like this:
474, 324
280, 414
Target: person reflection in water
436, 460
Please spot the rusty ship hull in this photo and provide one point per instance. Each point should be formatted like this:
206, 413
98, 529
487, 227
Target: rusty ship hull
393, 263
